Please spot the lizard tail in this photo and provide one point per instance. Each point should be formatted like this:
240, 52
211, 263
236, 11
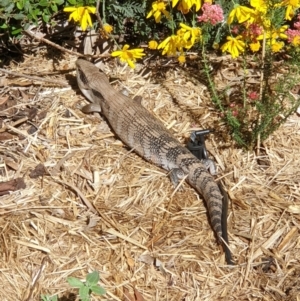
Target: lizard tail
225, 244
217, 205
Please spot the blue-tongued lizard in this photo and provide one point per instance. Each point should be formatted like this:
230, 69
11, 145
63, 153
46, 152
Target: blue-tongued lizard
149, 138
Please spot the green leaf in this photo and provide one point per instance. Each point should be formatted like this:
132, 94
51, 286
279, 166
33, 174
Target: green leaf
26, 26
46, 12
4, 3
92, 278
38, 12
46, 18
84, 292
27, 6
16, 31
44, 3
98, 290
48, 298
9, 8
33, 16
19, 16
74, 282
44, 297
72, 2
54, 7
59, 2
20, 5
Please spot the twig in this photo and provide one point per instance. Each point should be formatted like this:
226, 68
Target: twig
79, 193
37, 277
4, 128
32, 35
40, 79
250, 257
113, 37
98, 15
263, 54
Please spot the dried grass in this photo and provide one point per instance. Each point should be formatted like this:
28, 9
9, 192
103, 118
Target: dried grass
48, 233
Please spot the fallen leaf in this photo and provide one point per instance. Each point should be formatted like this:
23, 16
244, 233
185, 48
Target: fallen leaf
25, 96
130, 261
4, 99
127, 296
3, 81
293, 208
38, 171
146, 258
138, 295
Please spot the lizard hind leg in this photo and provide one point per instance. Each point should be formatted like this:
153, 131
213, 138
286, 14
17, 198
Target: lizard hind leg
210, 166
176, 174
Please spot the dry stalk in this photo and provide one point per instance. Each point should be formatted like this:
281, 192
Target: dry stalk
263, 55
40, 79
32, 35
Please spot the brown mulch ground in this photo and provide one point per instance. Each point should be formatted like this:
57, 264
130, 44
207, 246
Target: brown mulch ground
142, 235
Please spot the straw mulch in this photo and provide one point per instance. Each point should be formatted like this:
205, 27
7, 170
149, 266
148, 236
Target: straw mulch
142, 235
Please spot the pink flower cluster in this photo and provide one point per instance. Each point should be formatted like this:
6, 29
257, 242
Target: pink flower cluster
255, 30
212, 14
294, 34
297, 24
253, 95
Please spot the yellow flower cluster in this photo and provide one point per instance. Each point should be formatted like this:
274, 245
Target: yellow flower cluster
159, 8
185, 38
258, 26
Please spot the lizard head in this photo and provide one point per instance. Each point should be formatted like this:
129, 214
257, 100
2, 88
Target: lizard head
82, 71
86, 74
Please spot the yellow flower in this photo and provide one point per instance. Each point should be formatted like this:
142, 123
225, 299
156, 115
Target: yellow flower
81, 15
107, 28
158, 7
274, 34
181, 59
189, 35
254, 46
169, 45
280, 32
234, 46
265, 22
296, 41
276, 46
260, 5
152, 44
291, 6
216, 46
129, 56
186, 5
242, 13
